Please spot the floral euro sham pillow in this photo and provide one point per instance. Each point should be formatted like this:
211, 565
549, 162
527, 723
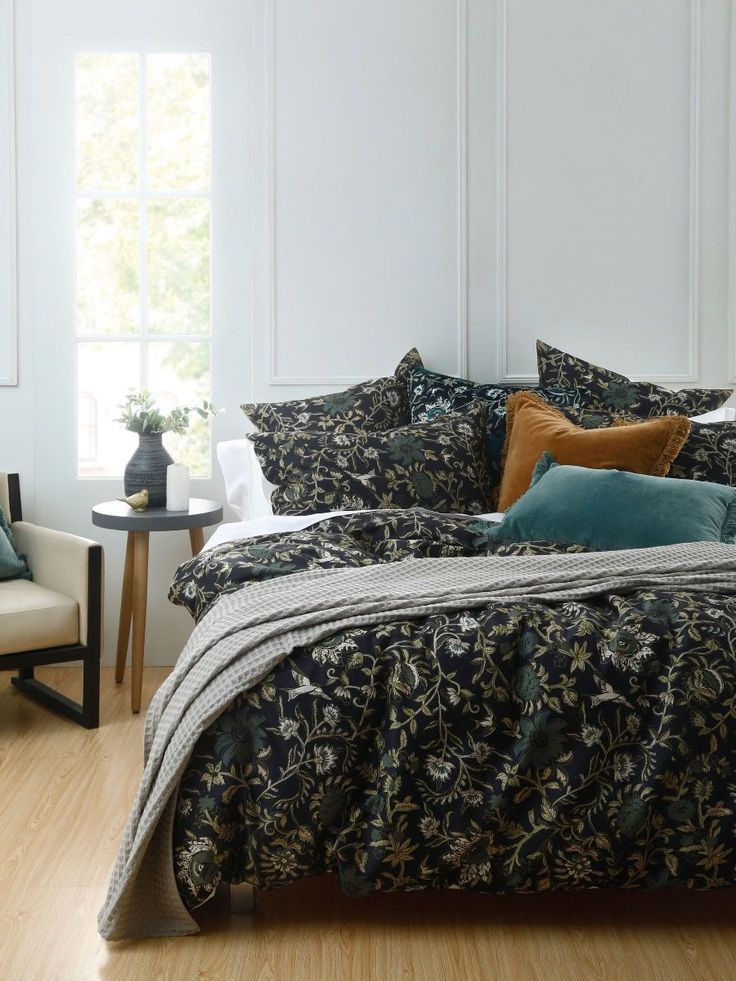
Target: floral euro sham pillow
440, 465
617, 393
372, 406
432, 394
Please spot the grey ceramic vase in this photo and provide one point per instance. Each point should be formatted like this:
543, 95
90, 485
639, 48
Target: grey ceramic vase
147, 468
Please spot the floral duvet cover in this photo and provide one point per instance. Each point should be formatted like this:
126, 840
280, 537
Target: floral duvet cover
520, 746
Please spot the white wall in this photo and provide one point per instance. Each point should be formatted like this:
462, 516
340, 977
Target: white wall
463, 175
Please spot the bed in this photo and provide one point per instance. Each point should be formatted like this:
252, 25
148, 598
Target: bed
401, 698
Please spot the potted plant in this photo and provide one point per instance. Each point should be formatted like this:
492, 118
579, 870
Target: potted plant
147, 467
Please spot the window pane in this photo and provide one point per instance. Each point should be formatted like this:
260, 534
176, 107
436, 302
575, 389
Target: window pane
108, 233
179, 374
178, 121
117, 296
105, 372
179, 266
107, 122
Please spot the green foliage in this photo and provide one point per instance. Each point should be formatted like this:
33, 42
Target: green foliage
140, 414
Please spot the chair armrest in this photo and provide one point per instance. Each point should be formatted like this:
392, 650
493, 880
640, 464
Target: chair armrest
69, 565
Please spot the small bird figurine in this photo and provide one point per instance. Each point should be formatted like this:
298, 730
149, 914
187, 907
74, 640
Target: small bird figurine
139, 501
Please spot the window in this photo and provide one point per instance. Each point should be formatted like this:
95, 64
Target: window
87, 416
142, 248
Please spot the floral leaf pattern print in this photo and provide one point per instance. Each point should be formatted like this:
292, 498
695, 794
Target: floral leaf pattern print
432, 394
372, 406
612, 392
516, 746
345, 541
440, 465
709, 453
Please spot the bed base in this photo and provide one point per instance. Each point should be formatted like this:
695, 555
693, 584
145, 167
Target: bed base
242, 897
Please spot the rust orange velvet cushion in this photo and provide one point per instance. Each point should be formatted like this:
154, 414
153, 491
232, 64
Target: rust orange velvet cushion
533, 426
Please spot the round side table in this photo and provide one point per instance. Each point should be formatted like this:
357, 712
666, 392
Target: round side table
139, 524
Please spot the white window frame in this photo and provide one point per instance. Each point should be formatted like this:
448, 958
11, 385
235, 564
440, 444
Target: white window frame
142, 195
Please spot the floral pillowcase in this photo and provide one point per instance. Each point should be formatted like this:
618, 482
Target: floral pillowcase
432, 394
440, 465
616, 393
372, 406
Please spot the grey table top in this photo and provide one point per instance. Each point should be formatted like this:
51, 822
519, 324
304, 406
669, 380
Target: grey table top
122, 517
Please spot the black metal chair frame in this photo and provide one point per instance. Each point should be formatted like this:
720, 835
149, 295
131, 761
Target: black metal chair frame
88, 713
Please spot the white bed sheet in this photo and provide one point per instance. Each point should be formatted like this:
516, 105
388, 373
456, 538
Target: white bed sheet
233, 531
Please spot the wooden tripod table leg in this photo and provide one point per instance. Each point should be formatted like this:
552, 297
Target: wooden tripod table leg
196, 538
126, 610
140, 595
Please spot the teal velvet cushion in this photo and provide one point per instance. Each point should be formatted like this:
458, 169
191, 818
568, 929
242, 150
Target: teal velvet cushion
12, 564
612, 509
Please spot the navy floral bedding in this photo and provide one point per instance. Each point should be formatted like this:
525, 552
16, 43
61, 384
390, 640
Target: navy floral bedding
514, 747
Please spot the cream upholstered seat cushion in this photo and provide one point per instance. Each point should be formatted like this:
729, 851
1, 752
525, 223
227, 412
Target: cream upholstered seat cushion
33, 617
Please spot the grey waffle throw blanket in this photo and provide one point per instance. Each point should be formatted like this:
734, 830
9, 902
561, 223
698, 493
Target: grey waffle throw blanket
247, 633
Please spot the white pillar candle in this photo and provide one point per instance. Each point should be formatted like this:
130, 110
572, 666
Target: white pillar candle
177, 487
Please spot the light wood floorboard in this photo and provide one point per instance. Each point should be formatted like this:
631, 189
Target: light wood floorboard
64, 795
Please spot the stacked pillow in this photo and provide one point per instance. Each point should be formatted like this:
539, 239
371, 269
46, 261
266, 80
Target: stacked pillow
612, 392
358, 449
597, 489
439, 465
708, 453
535, 427
432, 394
422, 438
372, 406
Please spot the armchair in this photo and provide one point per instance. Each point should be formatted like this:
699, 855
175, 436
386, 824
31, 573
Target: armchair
55, 618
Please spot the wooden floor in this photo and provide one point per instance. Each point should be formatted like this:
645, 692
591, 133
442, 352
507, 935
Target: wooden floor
64, 794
